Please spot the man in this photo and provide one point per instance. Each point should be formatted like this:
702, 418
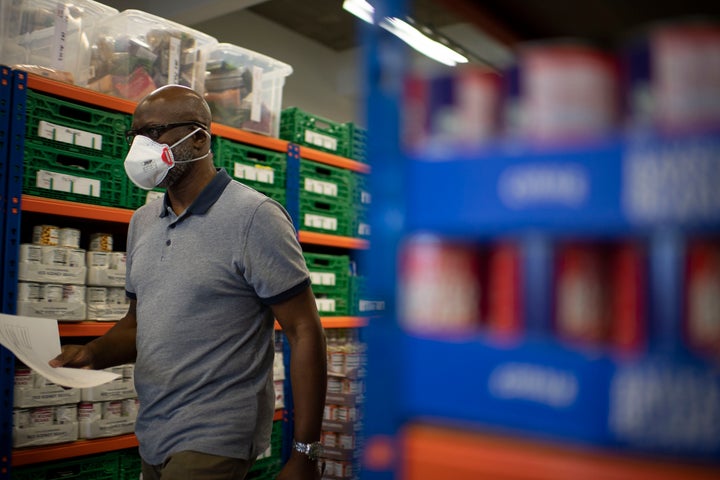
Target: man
209, 268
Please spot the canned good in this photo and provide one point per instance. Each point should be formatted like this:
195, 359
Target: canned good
21, 418
29, 292
89, 411
130, 407
24, 377
53, 292
55, 256
66, 414
76, 257
42, 416
112, 409
96, 295
74, 293
116, 296
46, 235
30, 253
439, 286
101, 242
703, 297
128, 372
98, 259
569, 91
117, 260
69, 237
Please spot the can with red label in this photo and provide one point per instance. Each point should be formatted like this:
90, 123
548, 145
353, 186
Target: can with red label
439, 286
504, 290
702, 323
581, 300
569, 92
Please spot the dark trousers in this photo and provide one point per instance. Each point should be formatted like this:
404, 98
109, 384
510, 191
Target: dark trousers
197, 466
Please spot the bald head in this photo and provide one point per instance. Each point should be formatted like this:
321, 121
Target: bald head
173, 103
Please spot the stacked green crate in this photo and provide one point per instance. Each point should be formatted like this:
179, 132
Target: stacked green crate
362, 303
268, 465
74, 151
330, 276
361, 199
357, 142
325, 198
313, 131
130, 464
259, 168
91, 467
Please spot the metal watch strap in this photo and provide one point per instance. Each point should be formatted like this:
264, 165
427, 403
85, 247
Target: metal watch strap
311, 450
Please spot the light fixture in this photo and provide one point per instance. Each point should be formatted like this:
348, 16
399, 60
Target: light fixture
407, 33
361, 9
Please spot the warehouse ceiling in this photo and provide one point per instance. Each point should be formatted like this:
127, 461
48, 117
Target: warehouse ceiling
604, 21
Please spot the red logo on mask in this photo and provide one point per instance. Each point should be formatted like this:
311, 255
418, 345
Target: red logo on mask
166, 156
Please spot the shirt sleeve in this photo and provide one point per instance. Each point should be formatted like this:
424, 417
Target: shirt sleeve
274, 264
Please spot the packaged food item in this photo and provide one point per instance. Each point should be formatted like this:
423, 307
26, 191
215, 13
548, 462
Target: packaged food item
134, 52
244, 88
702, 316
49, 37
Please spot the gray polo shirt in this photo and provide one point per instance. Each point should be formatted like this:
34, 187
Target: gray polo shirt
204, 283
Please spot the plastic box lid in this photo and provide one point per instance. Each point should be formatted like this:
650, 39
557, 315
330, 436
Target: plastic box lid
135, 52
244, 88
50, 34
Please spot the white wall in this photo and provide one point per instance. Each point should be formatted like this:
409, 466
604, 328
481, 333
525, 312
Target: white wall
323, 82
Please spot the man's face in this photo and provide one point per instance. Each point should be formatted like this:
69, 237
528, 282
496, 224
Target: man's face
181, 152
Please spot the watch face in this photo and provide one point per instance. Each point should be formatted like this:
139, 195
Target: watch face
315, 450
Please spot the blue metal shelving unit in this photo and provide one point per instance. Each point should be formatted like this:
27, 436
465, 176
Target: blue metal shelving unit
657, 189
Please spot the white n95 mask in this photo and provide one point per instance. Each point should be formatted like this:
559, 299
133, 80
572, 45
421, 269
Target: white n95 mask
147, 162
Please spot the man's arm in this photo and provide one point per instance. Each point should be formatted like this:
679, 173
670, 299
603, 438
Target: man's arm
300, 322
116, 347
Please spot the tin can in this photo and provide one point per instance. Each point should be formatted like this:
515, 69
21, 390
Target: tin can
702, 324
76, 257
74, 293
46, 235
117, 260
21, 418
53, 292
96, 295
439, 286
116, 296
101, 242
29, 292
98, 259
55, 256
112, 409
66, 414
42, 416
69, 237
89, 411
24, 377
30, 253
581, 303
569, 92
130, 407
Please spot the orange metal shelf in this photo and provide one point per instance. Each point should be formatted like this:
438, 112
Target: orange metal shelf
30, 455
254, 139
84, 329
64, 208
431, 452
334, 160
80, 94
338, 322
332, 240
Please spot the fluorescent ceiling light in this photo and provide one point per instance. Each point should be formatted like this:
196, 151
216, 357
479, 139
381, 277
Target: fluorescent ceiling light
422, 43
361, 9
407, 33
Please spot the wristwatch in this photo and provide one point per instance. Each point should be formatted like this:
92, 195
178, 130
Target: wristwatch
312, 450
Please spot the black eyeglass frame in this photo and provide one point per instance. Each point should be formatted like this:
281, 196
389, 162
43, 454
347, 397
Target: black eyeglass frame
160, 130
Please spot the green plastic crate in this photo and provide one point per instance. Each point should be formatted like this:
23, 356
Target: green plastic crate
325, 217
262, 169
314, 131
333, 304
319, 181
329, 273
91, 467
360, 186
73, 176
360, 223
75, 127
130, 464
267, 467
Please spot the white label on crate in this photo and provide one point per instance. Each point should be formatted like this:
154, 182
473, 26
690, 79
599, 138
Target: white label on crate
174, 61
256, 107
363, 229
73, 136
257, 173
322, 278
320, 221
323, 188
325, 304
60, 182
365, 198
314, 138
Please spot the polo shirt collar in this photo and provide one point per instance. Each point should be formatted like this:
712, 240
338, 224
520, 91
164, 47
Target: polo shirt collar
207, 197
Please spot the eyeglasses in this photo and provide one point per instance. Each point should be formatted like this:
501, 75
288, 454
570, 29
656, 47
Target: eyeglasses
156, 131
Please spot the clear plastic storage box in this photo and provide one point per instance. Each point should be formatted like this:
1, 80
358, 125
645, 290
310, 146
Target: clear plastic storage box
134, 52
49, 37
244, 88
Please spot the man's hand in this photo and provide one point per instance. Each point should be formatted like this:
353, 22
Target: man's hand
75, 356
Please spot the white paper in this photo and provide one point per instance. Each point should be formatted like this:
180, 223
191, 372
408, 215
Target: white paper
35, 341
